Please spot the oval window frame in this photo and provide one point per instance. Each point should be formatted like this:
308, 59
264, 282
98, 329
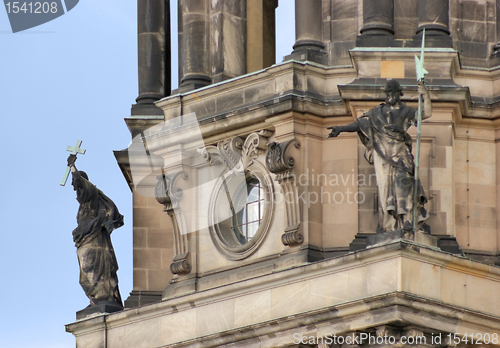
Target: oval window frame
218, 230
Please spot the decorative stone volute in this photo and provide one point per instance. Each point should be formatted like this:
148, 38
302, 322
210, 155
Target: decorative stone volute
278, 158
280, 162
165, 192
169, 195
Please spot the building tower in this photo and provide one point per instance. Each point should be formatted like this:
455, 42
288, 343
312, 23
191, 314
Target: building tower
285, 259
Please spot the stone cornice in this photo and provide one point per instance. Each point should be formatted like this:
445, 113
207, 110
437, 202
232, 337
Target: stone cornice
402, 297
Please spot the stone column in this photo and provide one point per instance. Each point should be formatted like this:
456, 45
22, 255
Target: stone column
261, 34
308, 25
433, 16
308, 32
195, 55
378, 24
153, 36
228, 39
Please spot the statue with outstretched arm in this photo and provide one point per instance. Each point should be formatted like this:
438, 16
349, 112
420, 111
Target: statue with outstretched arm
383, 131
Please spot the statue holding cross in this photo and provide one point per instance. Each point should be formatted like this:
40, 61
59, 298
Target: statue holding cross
97, 217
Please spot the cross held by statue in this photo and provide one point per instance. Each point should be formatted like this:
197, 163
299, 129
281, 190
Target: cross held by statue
74, 151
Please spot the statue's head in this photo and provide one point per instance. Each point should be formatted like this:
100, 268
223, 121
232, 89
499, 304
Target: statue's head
393, 92
83, 175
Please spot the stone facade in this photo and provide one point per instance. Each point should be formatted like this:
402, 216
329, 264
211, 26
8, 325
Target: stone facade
308, 272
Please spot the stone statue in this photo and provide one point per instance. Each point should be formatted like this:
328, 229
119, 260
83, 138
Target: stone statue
389, 148
97, 217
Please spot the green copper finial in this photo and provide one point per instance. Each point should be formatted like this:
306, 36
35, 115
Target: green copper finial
420, 62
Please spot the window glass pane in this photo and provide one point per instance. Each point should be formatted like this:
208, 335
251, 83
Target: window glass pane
246, 222
253, 212
252, 229
254, 194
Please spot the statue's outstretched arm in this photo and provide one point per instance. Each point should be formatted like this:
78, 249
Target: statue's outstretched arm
77, 178
336, 130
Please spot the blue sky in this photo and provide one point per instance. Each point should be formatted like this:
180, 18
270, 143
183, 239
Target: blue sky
69, 79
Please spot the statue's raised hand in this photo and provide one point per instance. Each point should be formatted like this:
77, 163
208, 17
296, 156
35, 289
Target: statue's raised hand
422, 90
336, 130
71, 160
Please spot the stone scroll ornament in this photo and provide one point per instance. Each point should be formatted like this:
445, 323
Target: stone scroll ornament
97, 217
280, 162
168, 194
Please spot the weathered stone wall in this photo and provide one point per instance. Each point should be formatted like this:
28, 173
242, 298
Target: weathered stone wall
152, 251
341, 27
475, 189
474, 27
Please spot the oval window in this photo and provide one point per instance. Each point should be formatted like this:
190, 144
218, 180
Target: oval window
239, 221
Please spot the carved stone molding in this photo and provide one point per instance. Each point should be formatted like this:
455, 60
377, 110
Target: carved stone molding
280, 162
168, 194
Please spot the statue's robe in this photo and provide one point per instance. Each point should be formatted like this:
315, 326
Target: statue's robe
383, 131
97, 218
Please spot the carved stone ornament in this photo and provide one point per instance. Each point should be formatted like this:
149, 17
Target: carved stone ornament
181, 264
169, 195
230, 150
280, 162
165, 191
255, 145
278, 158
293, 235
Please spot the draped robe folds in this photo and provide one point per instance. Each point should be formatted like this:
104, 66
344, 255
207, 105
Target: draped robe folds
388, 147
97, 218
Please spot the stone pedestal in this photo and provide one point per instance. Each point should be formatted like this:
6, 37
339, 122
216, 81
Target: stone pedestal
142, 297
102, 308
388, 237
